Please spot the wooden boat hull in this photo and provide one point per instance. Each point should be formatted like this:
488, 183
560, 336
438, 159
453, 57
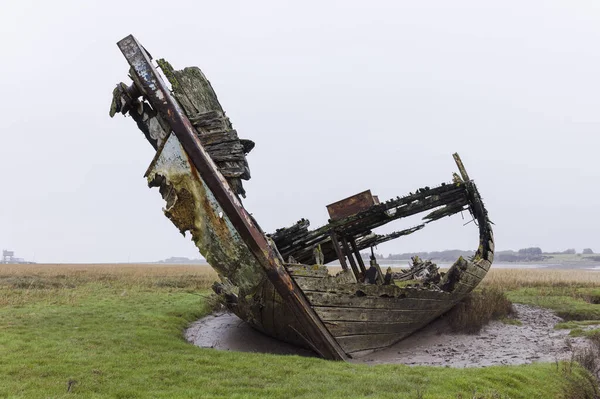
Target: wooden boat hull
198, 167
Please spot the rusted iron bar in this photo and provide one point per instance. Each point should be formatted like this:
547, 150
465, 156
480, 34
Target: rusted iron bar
338, 250
359, 258
159, 96
461, 167
350, 258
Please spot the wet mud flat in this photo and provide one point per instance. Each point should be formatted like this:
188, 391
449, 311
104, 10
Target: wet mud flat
535, 340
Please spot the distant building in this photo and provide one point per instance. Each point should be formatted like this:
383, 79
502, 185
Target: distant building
8, 257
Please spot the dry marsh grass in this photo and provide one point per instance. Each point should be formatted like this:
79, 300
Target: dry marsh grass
202, 276
54, 275
478, 309
511, 279
22, 283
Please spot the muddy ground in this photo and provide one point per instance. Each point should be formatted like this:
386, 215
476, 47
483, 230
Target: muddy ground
498, 343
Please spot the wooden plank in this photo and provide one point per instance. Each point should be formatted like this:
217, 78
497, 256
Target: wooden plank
348, 253
359, 258
329, 284
218, 137
267, 312
462, 288
461, 167
475, 269
484, 264
490, 257
338, 250
325, 299
375, 315
468, 278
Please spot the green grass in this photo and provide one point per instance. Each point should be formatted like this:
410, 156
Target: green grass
580, 332
569, 325
511, 321
570, 303
127, 343
122, 338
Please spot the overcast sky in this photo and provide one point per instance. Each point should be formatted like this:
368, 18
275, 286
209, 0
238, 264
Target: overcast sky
338, 96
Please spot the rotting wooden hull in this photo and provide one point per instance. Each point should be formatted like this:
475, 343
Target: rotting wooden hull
365, 317
198, 167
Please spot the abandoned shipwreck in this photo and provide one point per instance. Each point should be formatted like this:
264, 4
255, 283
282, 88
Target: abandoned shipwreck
279, 282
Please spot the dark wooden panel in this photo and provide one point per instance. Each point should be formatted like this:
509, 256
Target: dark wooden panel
463, 288
325, 299
375, 315
329, 284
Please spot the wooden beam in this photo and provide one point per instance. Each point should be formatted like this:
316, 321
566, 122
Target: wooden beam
338, 250
461, 167
350, 258
359, 258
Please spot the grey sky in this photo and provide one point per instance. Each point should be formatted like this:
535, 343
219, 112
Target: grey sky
339, 97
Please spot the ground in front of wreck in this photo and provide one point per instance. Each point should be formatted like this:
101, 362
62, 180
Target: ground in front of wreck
535, 340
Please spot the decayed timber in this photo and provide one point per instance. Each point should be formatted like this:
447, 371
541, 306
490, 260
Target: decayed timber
199, 166
222, 202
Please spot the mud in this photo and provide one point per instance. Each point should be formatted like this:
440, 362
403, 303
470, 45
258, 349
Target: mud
535, 340
225, 331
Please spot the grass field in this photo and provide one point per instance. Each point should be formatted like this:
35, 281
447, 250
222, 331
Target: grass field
116, 331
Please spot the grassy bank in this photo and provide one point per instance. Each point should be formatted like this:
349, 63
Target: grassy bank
107, 331
573, 294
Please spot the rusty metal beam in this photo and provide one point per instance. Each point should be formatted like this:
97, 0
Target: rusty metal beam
157, 93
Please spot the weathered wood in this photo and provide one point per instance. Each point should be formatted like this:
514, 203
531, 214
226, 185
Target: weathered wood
359, 258
476, 270
348, 253
338, 250
374, 217
296, 303
447, 210
330, 285
327, 299
318, 271
199, 101
461, 167
373, 240
378, 315
489, 256
249, 235
267, 311
469, 278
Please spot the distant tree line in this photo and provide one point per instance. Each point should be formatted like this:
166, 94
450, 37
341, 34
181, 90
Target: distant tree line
531, 254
